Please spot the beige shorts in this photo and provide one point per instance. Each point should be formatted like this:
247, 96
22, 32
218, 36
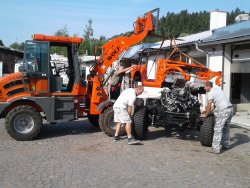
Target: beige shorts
121, 115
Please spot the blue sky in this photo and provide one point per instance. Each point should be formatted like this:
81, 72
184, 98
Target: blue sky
21, 18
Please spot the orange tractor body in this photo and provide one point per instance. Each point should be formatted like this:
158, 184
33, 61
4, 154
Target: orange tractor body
39, 92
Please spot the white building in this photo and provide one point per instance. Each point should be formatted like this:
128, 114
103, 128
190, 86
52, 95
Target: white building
229, 51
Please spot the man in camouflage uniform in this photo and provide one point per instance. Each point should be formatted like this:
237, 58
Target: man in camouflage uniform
223, 112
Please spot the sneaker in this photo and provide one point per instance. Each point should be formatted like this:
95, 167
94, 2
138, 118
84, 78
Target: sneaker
132, 141
214, 151
116, 138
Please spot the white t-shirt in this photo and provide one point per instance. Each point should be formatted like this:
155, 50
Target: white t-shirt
219, 99
127, 98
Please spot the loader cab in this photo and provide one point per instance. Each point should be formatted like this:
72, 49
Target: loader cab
41, 75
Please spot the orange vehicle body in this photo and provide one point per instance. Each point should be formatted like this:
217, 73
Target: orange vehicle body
167, 67
40, 85
38, 88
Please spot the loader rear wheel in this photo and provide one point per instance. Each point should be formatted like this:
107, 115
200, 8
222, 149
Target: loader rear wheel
23, 123
207, 131
106, 122
94, 120
140, 126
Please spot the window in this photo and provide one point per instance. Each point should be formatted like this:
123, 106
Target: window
36, 57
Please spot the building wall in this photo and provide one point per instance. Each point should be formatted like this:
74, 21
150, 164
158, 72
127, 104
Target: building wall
219, 59
235, 67
227, 71
9, 58
215, 59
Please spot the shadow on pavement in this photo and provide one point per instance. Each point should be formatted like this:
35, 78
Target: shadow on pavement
239, 139
67, 128
155, 134
191, 135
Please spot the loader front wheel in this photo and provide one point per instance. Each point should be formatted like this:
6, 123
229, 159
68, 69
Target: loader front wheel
23, 123
106, 122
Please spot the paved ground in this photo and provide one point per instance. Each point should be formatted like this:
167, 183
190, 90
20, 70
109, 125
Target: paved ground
78, 155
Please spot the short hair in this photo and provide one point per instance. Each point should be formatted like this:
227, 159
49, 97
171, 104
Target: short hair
139, 87
209, 83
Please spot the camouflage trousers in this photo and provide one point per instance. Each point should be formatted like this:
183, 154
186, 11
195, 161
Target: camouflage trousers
221, 128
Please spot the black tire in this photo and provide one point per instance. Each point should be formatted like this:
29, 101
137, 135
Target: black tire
140, 125
106, 122
23, 123
207, 131
94, 120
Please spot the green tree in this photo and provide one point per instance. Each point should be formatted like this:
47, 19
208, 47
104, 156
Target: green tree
174, 24
1, 43
59, 50
231, 16
87, 46
18, 46
62, 32
88, 31
97, 43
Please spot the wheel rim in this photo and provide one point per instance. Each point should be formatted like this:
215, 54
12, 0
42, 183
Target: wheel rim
111, 121
23, 123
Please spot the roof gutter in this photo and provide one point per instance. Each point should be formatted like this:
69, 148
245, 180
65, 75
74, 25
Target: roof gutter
226, 40
198, 49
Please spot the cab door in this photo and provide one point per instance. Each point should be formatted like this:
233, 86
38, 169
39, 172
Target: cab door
36, 67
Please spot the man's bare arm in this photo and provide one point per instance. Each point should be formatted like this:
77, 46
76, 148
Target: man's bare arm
129, 110
125, 70
208, 109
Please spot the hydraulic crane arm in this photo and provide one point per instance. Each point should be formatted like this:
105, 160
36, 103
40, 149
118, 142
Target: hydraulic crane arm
115, 47
111, 52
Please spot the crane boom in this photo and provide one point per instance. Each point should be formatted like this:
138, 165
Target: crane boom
111, 52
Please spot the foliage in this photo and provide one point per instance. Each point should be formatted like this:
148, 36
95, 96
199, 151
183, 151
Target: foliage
174, 25
91, 46
184, 23
62, 32
18, 46
59, 50
1, 43
88, 31
231, 16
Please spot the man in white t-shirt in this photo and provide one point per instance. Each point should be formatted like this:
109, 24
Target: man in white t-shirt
122, 112
223, 112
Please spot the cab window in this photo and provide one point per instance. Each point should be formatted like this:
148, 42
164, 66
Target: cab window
36, 57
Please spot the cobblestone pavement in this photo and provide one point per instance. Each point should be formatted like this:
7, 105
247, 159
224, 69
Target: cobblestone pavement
77, 154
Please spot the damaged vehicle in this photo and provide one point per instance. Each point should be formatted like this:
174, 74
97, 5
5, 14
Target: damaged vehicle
178, 108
